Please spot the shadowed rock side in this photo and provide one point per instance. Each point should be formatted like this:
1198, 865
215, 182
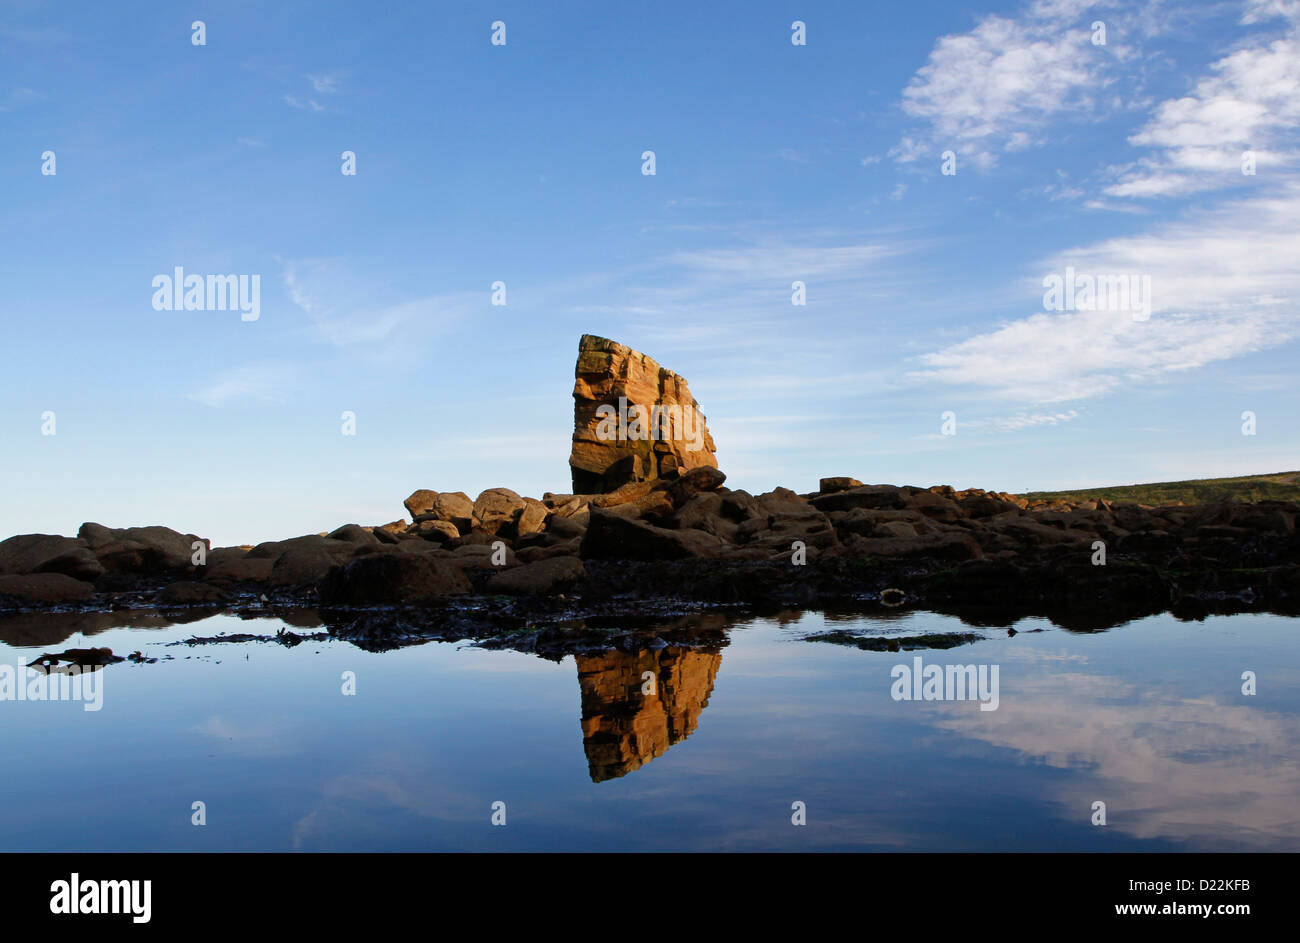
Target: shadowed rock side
614, 375
623, 728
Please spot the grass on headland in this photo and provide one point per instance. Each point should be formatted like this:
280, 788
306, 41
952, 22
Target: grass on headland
1281, 486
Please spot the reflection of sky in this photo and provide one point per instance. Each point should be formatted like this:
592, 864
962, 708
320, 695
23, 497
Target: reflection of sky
1168, 758
1148, 718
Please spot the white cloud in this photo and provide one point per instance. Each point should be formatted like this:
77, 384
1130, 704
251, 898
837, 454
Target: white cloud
264, 383
1224, 284
343, 311
1258, 11
18, 97
326, 83
778, 261
1250, 101
1022, 421
990, 90
303, 104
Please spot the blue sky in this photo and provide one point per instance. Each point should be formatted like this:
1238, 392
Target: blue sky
521, 163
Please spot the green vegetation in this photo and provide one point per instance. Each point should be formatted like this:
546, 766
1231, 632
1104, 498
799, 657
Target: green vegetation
1282, 486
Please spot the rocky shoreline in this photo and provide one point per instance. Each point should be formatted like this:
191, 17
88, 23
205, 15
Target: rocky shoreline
504, 565
659, 537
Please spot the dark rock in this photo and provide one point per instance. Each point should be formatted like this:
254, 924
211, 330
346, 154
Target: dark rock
354, 534
45, 588
541, 576
184, 593
388, 578
49, 553
612, 537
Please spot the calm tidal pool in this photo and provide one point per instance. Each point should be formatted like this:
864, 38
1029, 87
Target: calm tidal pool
1148, 718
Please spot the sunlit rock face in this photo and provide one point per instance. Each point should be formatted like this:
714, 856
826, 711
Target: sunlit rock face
624, 728
613, 375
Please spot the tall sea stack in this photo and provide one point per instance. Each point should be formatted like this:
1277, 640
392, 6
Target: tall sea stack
632, 420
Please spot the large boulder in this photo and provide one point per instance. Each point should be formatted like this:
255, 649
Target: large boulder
140, 550
611, 536
532, 519
539, 577
48, 588
420, 502
354, 534
245, 570
49, 553
784, 518
866, 496
385, 578
301, 566
437, 531
340, 550
497, 512
454, 507
633, 420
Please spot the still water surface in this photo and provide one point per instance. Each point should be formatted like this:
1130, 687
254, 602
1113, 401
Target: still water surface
1148, 718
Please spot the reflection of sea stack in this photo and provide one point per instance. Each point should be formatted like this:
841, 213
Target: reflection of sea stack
623, 729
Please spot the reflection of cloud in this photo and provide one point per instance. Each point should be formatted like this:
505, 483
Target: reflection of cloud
1167, 767
390, 781
262, 735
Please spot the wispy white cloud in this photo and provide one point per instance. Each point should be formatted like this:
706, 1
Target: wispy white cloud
303, 104
1249, 102
258, 383
990, 91
996, 89
1224, 284
326, 83
1020, 421
344, 313
18, 97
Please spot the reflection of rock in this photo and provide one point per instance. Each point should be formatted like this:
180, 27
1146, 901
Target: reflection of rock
622, 728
